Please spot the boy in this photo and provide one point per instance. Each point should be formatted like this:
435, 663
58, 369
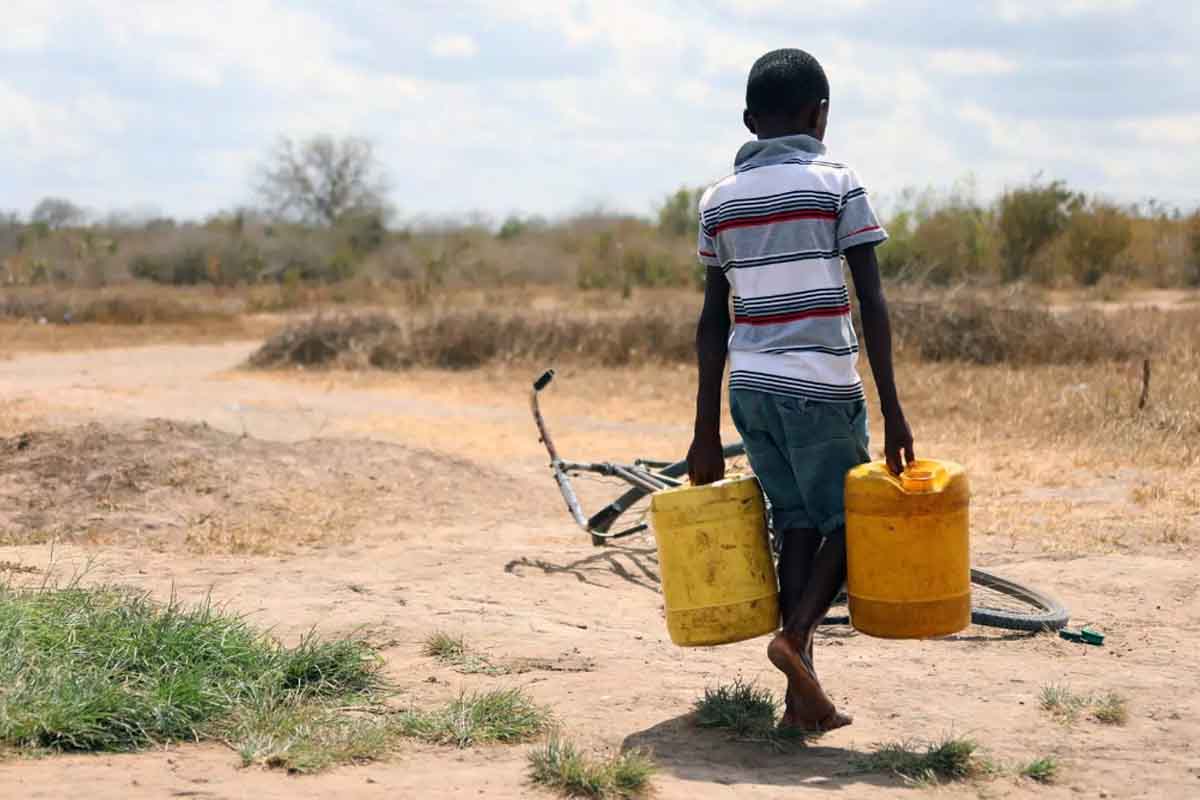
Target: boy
774, 232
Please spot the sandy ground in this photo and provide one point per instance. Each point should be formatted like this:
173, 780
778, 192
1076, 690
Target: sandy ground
429, 508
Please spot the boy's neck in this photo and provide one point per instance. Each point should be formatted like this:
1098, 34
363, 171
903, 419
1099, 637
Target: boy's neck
777, 133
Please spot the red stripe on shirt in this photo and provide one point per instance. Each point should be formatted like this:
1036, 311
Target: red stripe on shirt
706, 253
839, 311
861, 230
767, 220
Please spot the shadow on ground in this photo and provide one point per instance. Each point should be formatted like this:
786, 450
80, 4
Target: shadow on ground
695, 754
638, 566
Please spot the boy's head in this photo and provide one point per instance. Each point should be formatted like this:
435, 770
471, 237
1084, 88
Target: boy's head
787, 93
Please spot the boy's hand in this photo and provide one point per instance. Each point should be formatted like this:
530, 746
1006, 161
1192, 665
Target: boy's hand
897, 442
706, 460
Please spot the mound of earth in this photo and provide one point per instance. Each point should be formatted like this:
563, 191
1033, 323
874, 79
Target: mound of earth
170, 484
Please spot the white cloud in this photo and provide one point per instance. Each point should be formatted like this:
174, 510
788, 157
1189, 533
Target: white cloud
649, 97
1181, 131
1022, 10
38, 129
971, 62
456, 45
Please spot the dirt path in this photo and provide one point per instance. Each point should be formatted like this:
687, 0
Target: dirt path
499, 562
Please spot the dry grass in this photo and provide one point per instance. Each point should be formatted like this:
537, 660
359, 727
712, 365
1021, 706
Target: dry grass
125, 305
454, 651
977, 333
1110, 709
966, 332
461, 340
1067, 706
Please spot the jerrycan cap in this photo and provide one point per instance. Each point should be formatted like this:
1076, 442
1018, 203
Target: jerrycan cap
917, 479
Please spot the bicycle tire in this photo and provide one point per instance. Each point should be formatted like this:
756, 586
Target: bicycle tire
1039, 612
603, 520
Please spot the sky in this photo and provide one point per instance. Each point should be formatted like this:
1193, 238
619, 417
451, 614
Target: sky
555, 107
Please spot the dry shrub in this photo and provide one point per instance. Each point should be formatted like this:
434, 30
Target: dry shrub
463, 340
345, 339
118, 306
981, 334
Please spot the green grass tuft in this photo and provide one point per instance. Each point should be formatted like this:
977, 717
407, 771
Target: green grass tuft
748, 712
560, 765
1061, 702
444, 647
455, 652
302, 736
1042, 770
108, 669
505, 716
740, 707
951, 759
1066, 706
1110, 709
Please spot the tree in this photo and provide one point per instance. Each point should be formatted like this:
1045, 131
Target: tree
678, 214
1028, 219
322, 180
1098, 233
57, 212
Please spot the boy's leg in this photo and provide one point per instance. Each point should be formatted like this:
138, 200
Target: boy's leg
795, 568
799, 551
825, 440
826, 578
819, 577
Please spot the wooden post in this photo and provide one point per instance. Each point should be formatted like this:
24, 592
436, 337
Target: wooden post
1145, 385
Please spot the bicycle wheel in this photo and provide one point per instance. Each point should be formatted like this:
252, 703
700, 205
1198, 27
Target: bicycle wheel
1000, 603
633, 506
995, 603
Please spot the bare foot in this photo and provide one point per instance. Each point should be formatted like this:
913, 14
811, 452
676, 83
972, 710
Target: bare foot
808, 707
788, 720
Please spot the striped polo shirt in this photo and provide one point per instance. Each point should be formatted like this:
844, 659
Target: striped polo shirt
777, 228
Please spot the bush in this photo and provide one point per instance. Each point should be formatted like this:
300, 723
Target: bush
1192, 274
940, 239
1098, 233
1028, 219
981, 334
679, 213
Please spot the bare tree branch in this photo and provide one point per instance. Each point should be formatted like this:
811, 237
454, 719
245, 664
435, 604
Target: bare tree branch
322, 179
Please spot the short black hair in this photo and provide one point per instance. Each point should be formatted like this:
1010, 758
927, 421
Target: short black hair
785, 82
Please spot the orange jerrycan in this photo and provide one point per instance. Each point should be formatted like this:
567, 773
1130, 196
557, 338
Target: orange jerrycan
908, 550
714, 555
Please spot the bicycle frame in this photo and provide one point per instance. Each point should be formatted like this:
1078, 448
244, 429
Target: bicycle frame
641, 474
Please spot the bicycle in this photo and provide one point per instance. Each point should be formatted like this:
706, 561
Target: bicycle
996, 602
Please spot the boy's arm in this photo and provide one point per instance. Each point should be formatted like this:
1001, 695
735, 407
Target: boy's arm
877, 330
706, 461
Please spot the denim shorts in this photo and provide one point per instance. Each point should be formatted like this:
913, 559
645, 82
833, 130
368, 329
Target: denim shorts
801, 450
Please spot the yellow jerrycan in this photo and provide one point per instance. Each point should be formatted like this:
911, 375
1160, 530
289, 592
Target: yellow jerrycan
714, 555
908, 550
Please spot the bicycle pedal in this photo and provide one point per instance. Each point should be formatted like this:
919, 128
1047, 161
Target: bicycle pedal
1090, 636
1071, 635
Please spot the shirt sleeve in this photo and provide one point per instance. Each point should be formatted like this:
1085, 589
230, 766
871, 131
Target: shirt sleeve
706, 246
857, 223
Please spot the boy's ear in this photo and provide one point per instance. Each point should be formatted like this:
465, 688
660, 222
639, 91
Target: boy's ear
819, 116
748, 121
